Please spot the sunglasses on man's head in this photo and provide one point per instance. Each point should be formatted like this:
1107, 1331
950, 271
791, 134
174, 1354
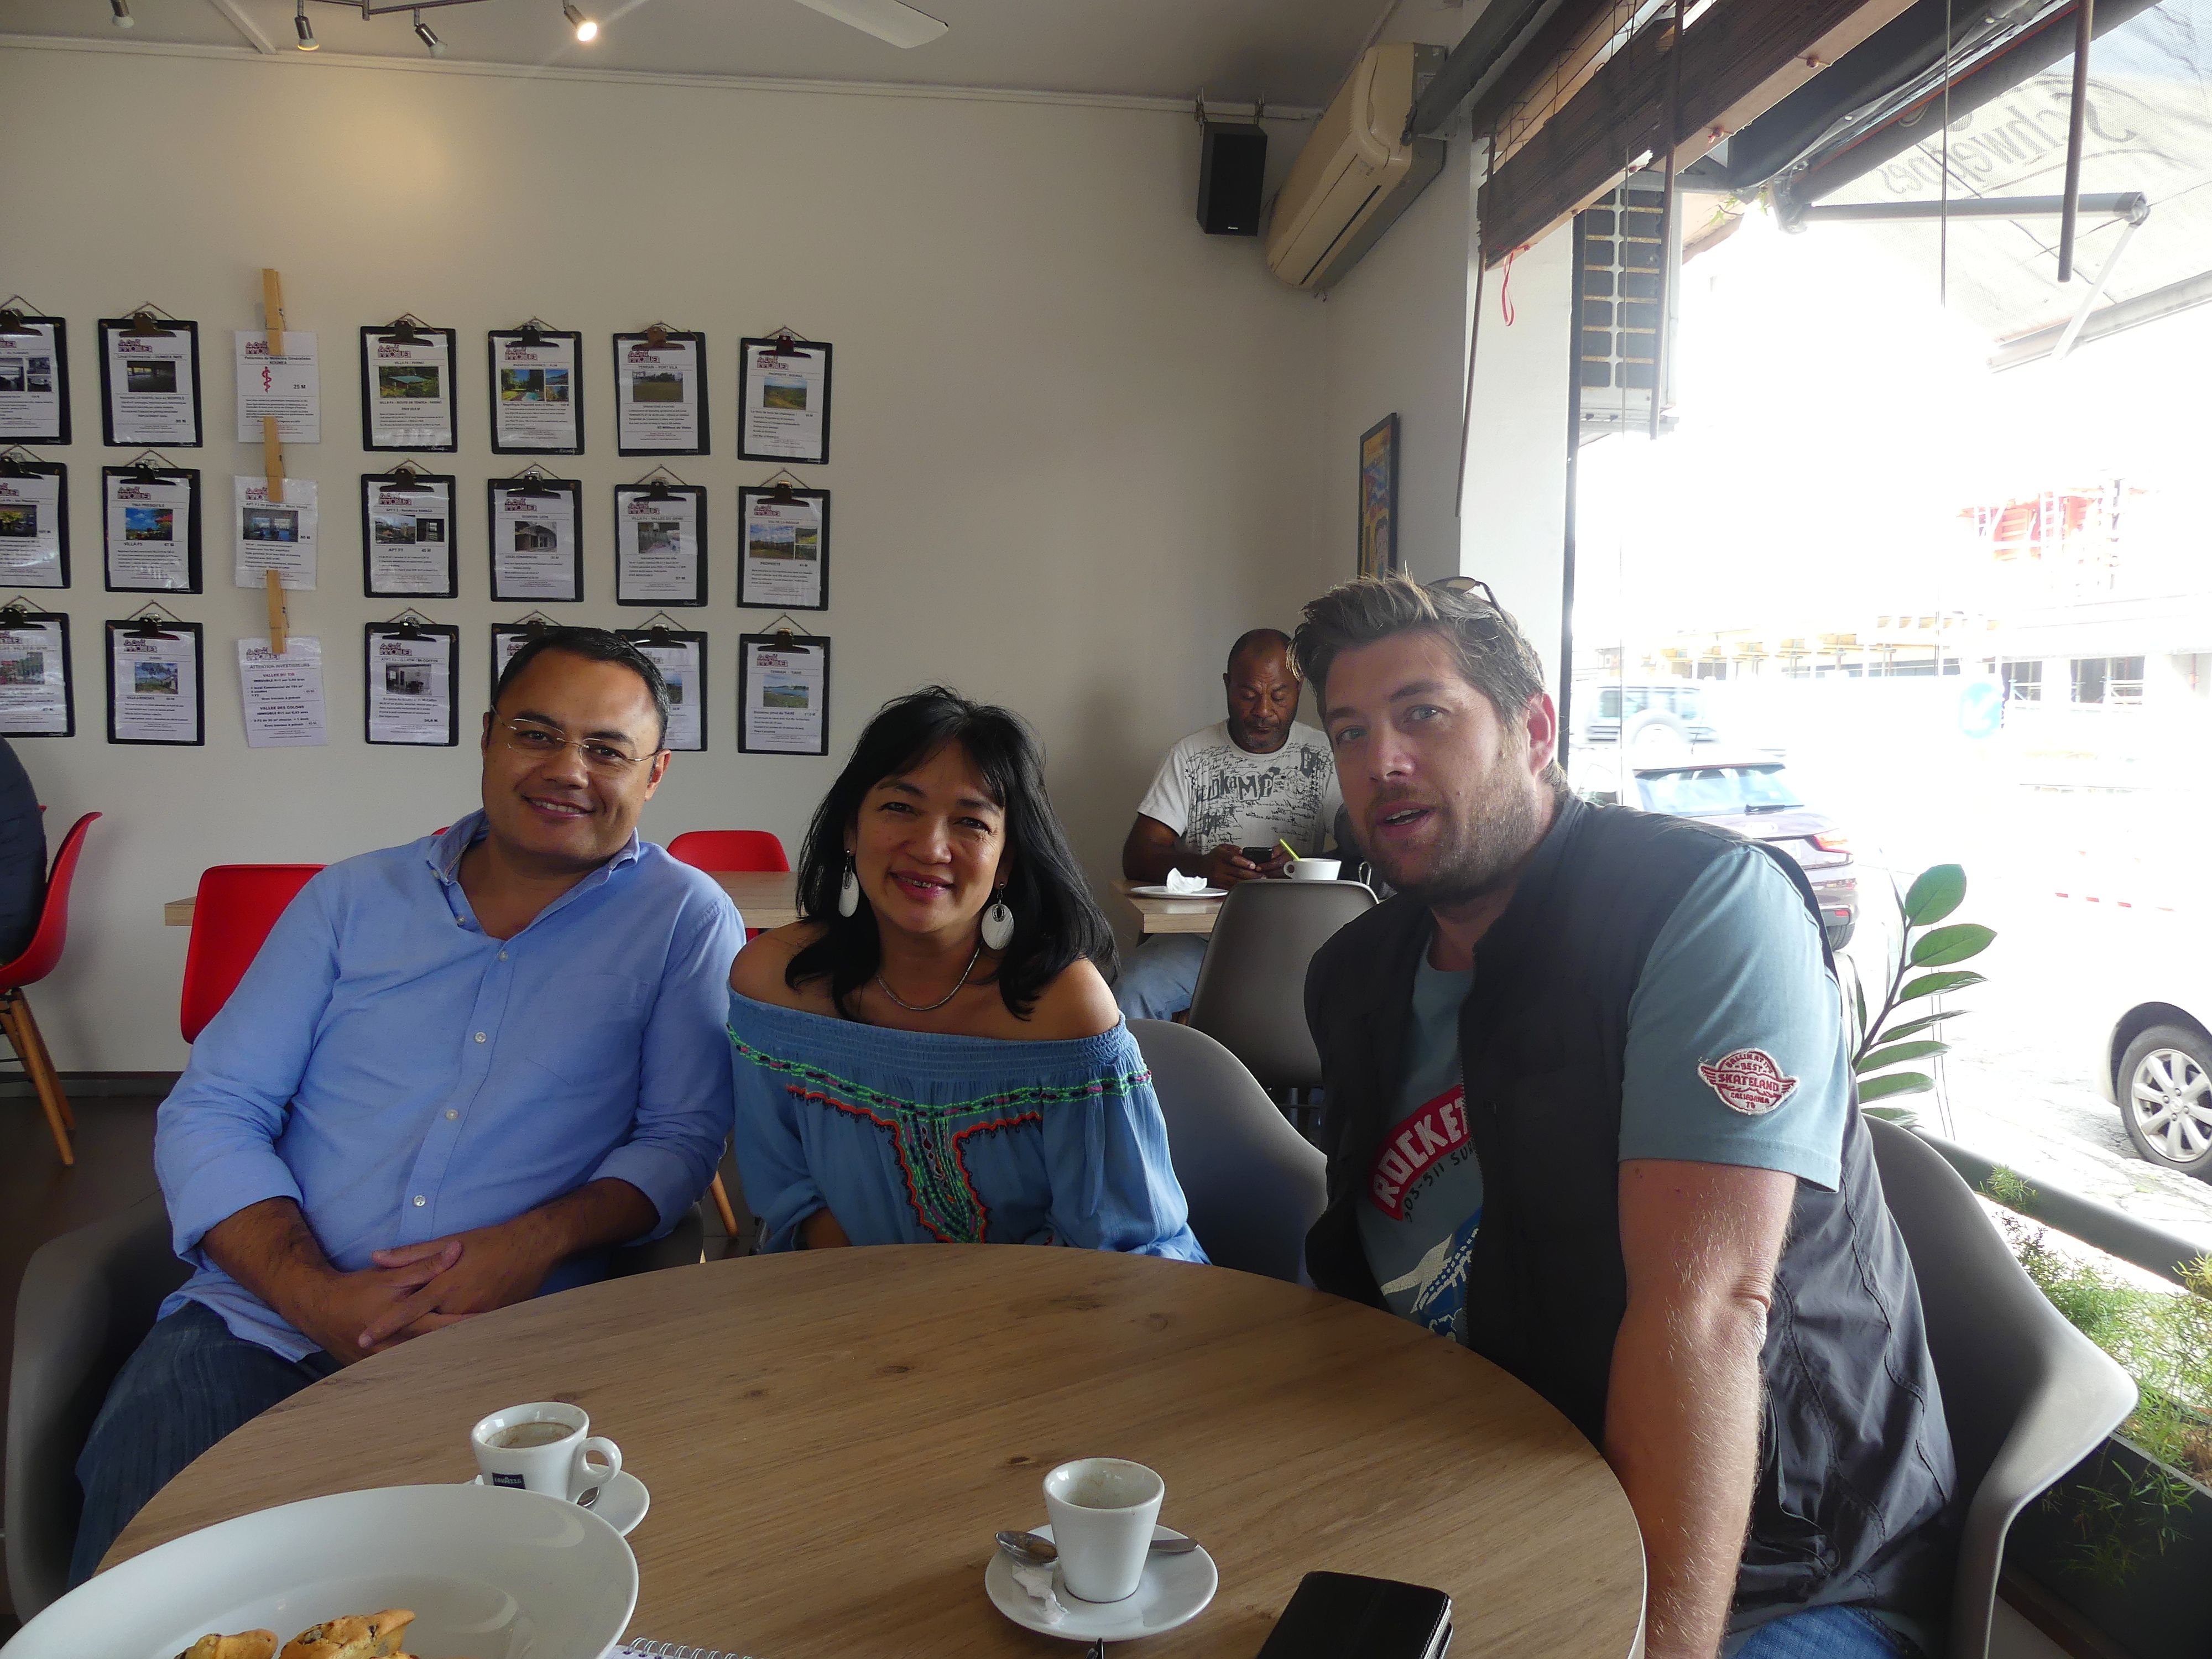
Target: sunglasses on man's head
1472, 587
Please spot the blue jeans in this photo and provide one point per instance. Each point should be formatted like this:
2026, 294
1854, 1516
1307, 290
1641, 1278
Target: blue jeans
1159, 975
1827, 1633
189, 1384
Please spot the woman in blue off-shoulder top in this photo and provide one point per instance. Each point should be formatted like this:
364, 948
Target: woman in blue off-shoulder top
930, 1053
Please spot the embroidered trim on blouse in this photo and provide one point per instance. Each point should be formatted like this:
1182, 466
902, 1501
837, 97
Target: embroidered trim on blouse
922, 1139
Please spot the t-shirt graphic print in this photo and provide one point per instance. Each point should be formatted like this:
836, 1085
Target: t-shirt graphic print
1212, 793
1424, 1200
1427, 1177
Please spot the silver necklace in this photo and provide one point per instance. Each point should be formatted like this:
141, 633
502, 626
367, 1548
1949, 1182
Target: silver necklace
932, 1007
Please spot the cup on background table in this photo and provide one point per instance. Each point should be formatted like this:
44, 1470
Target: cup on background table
1102, 1509
546, 1446
1315, 869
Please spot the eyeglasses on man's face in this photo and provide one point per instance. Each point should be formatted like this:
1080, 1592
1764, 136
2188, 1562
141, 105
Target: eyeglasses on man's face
601, 757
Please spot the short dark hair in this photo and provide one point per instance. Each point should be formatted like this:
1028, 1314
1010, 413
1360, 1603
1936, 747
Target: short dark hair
1492, 653
1056, 921
1253, 637
595, 645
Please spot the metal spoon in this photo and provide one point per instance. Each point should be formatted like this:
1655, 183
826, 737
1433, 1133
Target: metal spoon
1038, 1551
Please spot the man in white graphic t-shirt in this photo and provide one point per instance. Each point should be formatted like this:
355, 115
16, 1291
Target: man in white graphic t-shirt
1222, 801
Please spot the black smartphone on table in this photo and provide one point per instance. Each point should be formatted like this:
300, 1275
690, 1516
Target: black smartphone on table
1339, 1615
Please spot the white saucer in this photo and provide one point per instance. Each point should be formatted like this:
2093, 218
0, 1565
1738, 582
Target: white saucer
1157, 891
1175, 1589
622, 1501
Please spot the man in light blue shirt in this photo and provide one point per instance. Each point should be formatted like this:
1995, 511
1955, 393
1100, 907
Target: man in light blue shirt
457, 1072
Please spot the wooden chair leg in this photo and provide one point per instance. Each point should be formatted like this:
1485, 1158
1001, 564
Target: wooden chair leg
45, 1059
722, 1206
22, 1033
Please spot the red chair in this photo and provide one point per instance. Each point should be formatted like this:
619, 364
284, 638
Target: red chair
714, 850
755, 851
236, 906
36, 961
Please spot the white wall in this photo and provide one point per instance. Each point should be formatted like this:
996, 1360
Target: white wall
1078, 444
1397, 342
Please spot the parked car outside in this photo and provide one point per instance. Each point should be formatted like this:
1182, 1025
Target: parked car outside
1754, 799
1665, 719
2155, 1066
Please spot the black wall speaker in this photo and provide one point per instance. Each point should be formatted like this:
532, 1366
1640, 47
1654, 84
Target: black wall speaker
1232, 165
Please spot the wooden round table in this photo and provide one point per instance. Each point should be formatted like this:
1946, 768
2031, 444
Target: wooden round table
830, 1439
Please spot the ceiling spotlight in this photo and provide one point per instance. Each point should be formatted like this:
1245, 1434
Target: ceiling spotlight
585, 28
428, 37
123, 20
304, 29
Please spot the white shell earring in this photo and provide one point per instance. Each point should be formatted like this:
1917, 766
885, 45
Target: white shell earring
998, 921
848, 891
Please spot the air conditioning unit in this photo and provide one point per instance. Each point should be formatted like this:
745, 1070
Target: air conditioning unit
1358, 171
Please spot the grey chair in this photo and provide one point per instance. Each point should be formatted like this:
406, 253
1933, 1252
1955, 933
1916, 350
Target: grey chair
1251, 991
87, 1299
1254, 1184
2027, 1395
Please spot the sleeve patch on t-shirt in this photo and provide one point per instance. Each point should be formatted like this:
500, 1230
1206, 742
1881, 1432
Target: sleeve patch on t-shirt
1748, 1081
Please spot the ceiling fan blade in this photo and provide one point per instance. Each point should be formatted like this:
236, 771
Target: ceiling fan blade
887, 20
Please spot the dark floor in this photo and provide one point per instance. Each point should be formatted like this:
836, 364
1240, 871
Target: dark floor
39, 1199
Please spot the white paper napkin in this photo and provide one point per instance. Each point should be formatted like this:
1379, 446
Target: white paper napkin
1179, 883
1036, 1583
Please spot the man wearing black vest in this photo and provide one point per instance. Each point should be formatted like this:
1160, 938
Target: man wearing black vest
1589, 1114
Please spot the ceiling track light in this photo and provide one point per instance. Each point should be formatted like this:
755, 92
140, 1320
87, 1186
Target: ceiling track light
123, 20
585, 28
428, 37
303, 28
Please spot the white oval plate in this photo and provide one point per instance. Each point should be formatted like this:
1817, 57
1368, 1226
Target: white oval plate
1175, 1589
490, 1575
1156, 891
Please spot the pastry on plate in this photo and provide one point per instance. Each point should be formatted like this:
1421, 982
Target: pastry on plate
248, 1644
373, 1636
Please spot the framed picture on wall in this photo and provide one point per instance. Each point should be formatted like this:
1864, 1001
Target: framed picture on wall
1378, 497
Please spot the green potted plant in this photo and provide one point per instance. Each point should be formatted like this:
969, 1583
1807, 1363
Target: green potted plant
1891, 1045
2125, 1541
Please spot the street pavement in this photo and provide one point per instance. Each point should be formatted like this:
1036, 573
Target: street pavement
2019, 1086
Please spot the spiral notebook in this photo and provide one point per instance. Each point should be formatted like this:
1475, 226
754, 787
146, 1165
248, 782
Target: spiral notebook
669, 1650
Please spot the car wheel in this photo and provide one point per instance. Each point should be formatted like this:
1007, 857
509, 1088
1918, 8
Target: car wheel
2166, 1097
1657, 738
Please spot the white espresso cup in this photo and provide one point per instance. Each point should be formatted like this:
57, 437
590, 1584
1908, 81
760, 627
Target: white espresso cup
1102, 1509
1315, 869
546, 1447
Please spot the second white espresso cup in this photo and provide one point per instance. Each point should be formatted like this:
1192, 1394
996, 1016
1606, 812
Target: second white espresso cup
547, 1447
1102, 1509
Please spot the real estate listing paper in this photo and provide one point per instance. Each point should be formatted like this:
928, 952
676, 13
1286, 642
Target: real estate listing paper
274, 535
282, 696
288, 386
659, 554
31, 529
150, 521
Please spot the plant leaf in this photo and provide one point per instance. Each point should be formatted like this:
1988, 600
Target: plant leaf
1904, 1117
1929, 984
1960, 940
1897, 1083
1920, 1025
1858, 997
1934, 893
1896, 1053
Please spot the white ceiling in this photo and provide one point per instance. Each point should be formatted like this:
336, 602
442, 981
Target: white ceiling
1293, 51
